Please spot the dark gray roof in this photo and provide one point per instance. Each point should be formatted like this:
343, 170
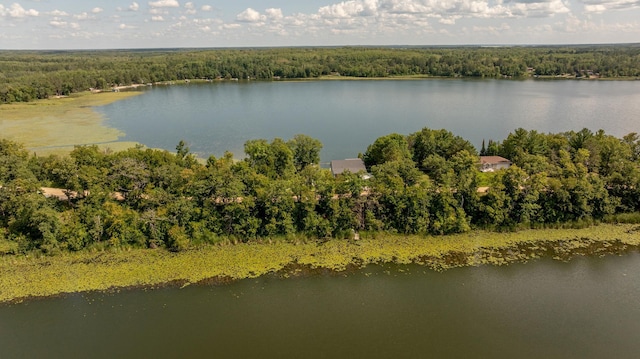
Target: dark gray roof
354, 165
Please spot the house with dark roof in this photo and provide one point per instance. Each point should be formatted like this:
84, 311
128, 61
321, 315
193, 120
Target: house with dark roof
353, 165
493, 163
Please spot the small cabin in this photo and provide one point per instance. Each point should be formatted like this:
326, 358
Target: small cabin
493, 163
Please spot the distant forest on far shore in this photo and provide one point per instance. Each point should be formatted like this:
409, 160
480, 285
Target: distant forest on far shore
29, 75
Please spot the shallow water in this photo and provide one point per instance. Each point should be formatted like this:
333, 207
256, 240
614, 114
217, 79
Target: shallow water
587, 308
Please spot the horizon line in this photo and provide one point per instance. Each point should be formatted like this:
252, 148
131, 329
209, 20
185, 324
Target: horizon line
327, 46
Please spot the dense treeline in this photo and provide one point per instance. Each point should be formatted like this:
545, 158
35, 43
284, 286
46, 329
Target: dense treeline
423, 183
29, 75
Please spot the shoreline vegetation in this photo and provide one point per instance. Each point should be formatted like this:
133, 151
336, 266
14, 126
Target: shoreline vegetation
181, 221
57, 125
29, 277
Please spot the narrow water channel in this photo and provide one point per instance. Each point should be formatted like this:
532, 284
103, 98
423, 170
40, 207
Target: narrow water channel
586, 308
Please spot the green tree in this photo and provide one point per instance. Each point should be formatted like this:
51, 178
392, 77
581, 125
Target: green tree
283, 161
443, 143
306, 151
259, 156
465, 180
403, 197
521, 140
275, 206
389, 148
130, 177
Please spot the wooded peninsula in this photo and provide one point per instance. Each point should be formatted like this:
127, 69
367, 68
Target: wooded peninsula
30, 75
277, 208
96, 219
423, 183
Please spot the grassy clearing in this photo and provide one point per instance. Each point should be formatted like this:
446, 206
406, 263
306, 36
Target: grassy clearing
56, 125
24, 276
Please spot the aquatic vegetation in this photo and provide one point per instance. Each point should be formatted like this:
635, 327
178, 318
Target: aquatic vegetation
35, 276
54, 126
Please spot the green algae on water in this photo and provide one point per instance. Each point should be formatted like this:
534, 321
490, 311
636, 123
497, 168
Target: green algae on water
38, 276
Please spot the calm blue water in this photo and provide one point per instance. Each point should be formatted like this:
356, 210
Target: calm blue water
587, 308
347, 116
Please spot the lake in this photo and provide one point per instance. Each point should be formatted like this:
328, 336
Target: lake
347, 116
586, 308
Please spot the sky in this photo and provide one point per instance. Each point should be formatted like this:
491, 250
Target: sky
93, 24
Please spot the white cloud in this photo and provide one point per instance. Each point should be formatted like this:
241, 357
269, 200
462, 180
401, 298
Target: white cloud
576, 25
448, 11
336, 22
159, 11
492, 30
407, 7
274, 14
55, 23
393, 18
449, 20
599, 6
59, 13
82, 16
61, 24
538, 9
17, 11
350, 9
191, 8
250, 15
229, 26
164, 3
64, 24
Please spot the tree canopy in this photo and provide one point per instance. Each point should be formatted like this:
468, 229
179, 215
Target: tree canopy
29, 75
423, 183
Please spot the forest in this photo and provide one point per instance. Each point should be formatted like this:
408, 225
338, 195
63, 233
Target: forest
30, 75
422, 183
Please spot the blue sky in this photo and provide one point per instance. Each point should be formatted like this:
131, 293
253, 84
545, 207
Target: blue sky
92, 24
